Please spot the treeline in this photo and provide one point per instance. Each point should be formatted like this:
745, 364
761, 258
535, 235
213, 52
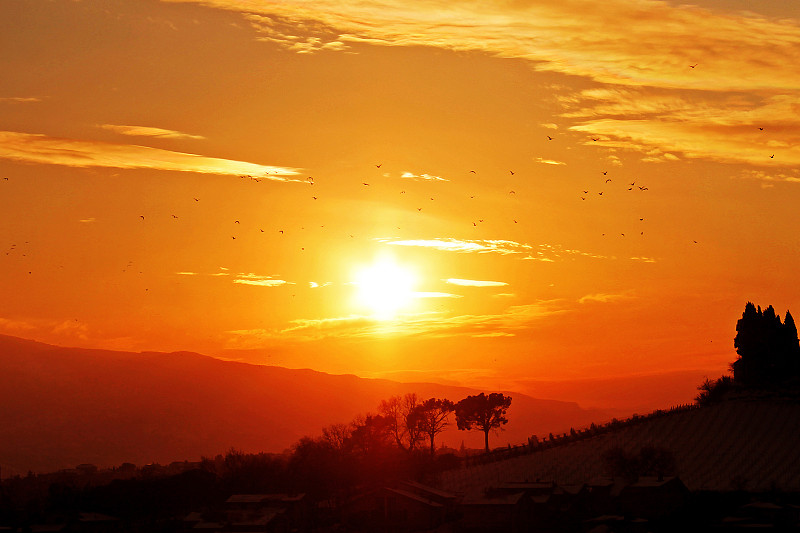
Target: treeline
396, 442
768, 352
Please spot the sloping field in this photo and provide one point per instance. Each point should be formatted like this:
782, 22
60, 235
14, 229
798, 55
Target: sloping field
745, 443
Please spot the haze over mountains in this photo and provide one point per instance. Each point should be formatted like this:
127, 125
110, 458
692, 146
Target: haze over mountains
66, 406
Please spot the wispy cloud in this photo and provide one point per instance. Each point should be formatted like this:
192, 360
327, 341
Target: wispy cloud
37, 148
628, 42
87, 220
474, 282
605, 297
422, 177
539, 252
436, 295
260, 281
465, 246
652, 53
549, 161
667, 127
146, 131
514, 318
19, 99
792, 176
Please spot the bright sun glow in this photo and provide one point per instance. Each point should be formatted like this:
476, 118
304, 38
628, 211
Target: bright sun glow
385, 288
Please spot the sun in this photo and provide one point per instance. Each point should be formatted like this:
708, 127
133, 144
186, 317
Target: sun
385, 288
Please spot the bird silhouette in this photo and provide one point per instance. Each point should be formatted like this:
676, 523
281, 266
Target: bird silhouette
378, 166
600, 193
280, 231
772, 156
419, 209
608, 179
511, 192
692, 66
314, 197
595, 139
605, 172
759, 129
310, 180
549, 138
174, 216
473, 171
512, 172
365, 183
642, 188
197, 199
236, 222
141, 216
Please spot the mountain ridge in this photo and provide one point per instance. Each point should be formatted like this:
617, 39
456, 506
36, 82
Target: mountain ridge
66, 406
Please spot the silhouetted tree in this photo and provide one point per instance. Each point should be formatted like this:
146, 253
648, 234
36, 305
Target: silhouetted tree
769, 352
432, 418
404, 420
483, 412
713, 391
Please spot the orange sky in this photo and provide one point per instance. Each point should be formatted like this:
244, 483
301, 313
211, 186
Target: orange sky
485, 133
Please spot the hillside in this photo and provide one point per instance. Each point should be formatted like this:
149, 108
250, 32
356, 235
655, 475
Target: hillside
746, 443
66, 406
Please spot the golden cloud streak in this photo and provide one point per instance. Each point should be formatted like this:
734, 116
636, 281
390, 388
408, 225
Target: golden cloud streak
146, 131
37, 148
628, 42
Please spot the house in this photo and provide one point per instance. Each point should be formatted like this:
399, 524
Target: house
653, 498
495, 511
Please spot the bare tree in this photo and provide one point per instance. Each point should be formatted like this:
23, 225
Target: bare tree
403, 419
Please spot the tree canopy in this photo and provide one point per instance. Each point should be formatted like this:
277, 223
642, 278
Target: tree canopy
768, 349
483, 412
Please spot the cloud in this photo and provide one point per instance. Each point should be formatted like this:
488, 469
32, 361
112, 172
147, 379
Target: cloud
15, 326
792, 176
549, 161
494, 334
625, 42
731, 129
604, 298
19, 100
421, 177
550, 126
474, 283
541, 252
436, 295
436, 324
662, 64
465, 246
87, 220
260, 281
145, 131
37, 148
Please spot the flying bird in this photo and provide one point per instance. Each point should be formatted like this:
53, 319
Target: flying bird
473, 171
197, 199
642, 188
772, 156
605, 172
365, 183
378, 166
692, 66
511, 192
549, 138
595, 139
310, 180
280, 231
141, 216
236, 222
608, 179
512, 172
174, 216
759, 129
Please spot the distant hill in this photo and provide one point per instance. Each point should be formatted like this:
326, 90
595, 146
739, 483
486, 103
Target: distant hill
746, 443
66, 406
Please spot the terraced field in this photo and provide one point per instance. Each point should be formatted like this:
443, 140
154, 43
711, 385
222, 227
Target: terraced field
741, 443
